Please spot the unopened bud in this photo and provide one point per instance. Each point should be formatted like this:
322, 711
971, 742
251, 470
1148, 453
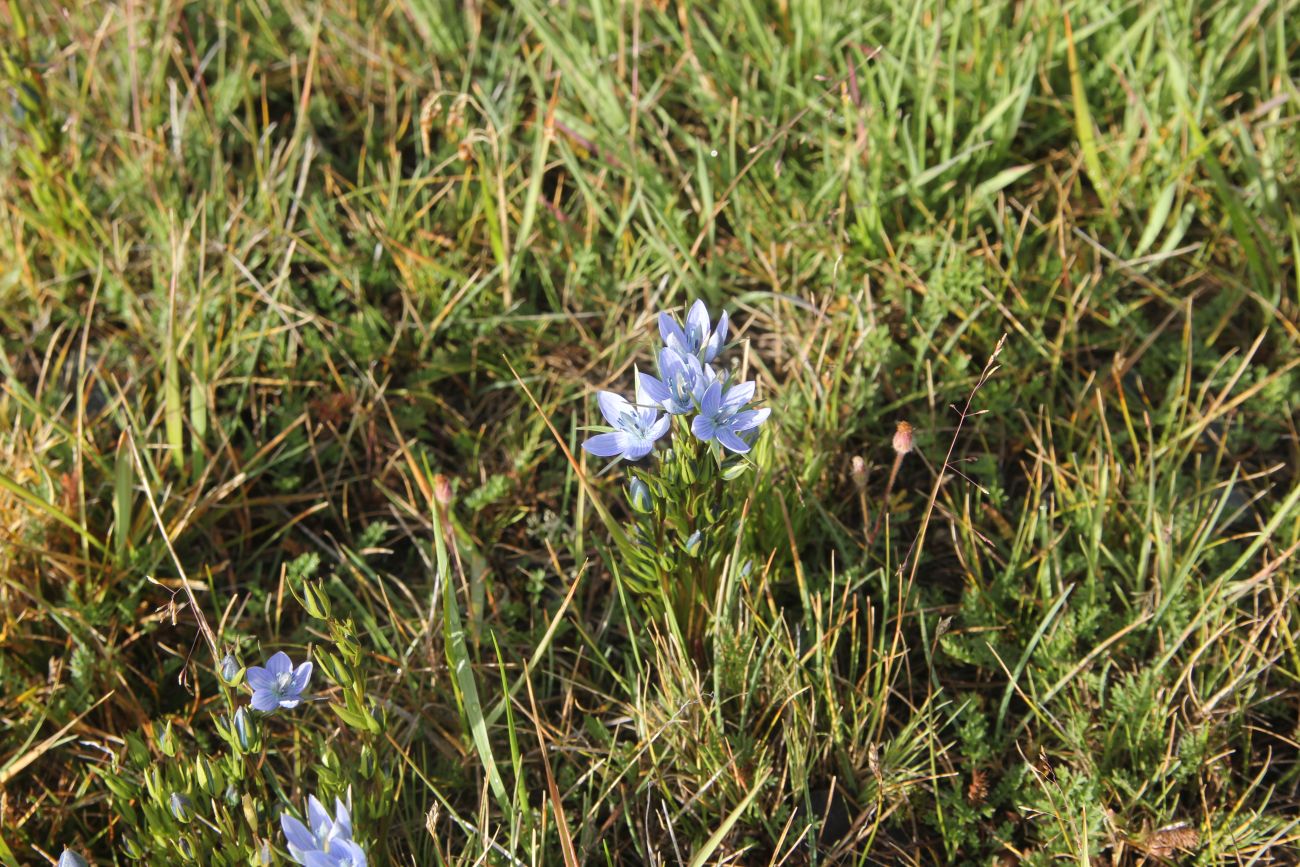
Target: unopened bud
243, 733
903, 439
638, 493
180, 806
859, 472
230, 668
442, 490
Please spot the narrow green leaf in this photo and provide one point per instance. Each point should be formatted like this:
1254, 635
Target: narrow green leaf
1083, 121
458, 656
702, 854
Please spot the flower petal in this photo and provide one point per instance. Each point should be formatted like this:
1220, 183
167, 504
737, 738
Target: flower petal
729, 440
317, 859
697, 324
647, 416
259, 678
301, 677
703, 428
749, 418
342, 818
265, 700
279, 664
711, 402
651, 390
737, 396
319, 818
671, 362
71, 859
637, 448
346, 853
612, 407
296, 832
606, 445
659, 428
671, 332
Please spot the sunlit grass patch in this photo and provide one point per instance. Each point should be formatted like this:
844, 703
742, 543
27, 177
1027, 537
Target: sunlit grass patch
305, 308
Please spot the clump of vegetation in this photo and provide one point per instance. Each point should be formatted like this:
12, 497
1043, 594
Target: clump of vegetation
305, 309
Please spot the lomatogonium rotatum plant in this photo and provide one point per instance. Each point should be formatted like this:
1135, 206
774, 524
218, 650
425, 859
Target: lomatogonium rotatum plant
686, 509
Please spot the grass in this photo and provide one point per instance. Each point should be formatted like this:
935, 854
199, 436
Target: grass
304, 304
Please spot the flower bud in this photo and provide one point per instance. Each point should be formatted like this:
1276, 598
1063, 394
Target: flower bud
167, 741
230, 669
131, 849
694, 543
243, 732
72, 859
903, 438
442, 490
180, 806
638, 494
859, 472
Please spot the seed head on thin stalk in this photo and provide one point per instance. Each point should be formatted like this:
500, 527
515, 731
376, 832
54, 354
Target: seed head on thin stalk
906, 571
861, 473
902, 445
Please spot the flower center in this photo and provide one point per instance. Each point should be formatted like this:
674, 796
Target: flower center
283, 680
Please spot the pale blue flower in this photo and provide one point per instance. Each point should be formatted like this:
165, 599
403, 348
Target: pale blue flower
72, 859
698, 338
682, 381
722, 418
327, 842
279, 685
635, 430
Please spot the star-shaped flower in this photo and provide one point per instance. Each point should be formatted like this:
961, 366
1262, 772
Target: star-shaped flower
698, 338
682, 381
279, 685
635, 428
722, 419
328, 842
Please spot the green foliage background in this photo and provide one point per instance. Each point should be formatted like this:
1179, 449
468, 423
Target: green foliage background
268, 268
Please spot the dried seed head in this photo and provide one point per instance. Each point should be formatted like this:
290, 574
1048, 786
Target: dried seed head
859, 472
1166, 841
978, 789
873, 761
903, 439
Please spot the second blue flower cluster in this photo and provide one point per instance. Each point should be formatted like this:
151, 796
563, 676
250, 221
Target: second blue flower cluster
687, 383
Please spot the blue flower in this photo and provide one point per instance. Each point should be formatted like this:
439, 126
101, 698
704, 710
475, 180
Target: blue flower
72, 859
279, 685
697, 338
635, 430
684, 379
328, 842
721, 418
